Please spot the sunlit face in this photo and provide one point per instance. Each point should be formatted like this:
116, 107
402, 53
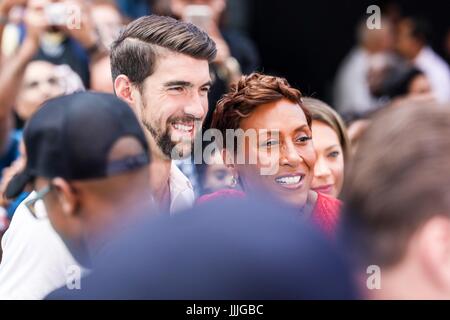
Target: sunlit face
174, 103
39, 84
284, 145
329, 167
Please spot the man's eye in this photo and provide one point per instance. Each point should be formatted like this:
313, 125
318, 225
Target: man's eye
176, 89
205, 90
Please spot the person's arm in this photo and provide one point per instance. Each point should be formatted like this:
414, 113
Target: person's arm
11, 74
5, 8
86, 35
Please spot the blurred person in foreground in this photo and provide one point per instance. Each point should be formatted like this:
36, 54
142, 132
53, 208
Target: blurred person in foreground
412, 44
397, 214
240, 250
89, 184
279, 160
160, 67
332, 147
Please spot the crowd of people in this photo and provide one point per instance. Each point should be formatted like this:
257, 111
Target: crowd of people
101, 125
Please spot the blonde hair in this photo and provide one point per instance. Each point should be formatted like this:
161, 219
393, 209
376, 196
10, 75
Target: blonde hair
320, 111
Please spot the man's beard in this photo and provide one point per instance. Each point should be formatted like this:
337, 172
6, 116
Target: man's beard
170, 149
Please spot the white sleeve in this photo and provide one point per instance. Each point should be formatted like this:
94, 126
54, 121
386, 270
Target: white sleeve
35, 260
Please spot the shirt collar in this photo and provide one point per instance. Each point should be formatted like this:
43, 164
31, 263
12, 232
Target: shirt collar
181, 190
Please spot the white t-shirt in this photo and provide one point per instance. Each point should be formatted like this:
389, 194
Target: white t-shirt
351, 88
437, 72
35, 260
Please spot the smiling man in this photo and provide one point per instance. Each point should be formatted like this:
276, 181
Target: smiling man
160, 67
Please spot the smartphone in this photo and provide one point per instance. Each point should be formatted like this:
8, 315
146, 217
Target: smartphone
200, 15
56, 14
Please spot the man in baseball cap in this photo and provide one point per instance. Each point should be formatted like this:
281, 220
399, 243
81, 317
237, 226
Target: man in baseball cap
87, 159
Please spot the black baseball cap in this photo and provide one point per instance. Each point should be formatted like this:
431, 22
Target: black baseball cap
71, 137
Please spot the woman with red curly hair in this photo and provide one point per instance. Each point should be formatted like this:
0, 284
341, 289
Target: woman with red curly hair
269, 107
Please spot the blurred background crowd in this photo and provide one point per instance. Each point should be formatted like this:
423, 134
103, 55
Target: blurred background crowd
347, 73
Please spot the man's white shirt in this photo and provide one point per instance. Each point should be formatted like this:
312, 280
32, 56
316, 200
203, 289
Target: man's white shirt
437, 72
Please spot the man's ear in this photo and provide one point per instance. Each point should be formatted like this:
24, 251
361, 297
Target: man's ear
434, 245
66, 196
123, 88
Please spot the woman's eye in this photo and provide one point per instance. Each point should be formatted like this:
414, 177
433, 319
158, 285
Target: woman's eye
205, 90
333, 154
270, 143
303, 139
53, 81
32, 85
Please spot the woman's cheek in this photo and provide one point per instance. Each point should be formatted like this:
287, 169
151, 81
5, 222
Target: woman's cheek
308, 154
269, 162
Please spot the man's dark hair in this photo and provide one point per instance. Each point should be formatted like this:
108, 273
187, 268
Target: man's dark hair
420, 29
135, 52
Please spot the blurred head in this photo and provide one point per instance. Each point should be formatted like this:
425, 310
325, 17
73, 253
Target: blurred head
88, 180
276, 142
398, 205
160, 67
108, 21
217, 175
331, 145
40, 83
405, 82
178, 7
375, 40
412, 35
355, 131
419, 84
85, 211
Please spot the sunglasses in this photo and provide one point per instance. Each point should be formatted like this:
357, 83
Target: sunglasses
31, 204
